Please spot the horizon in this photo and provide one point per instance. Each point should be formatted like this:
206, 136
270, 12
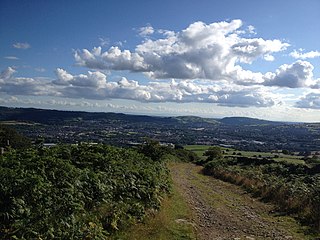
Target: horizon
150, 115
209, 59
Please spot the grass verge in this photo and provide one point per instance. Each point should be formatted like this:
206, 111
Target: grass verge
173, 221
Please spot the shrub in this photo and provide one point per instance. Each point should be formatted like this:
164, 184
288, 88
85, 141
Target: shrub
77, 192
294, 188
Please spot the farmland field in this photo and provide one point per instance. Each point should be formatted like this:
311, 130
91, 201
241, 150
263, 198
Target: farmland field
228, 152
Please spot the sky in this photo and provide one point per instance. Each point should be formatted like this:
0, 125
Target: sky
205, 58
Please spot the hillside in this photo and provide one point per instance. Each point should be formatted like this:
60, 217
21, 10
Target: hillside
120, 129
53, 116
247, 121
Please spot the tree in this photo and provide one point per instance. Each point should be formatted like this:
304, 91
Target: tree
213, 153
152, 149
178, 146
10, 137
285, 151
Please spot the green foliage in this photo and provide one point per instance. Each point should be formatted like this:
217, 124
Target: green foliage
213, 153
294, 188
153, 149
10, 137
157, 152
186, 155
76, 192
314, 160
285, 151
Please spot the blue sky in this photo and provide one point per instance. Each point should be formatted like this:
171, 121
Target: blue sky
207, 58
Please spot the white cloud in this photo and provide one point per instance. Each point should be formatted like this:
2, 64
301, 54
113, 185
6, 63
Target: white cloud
247, 50
244, 98
11, 58
7, 73
311, 100
114, 59
24, 86
296, 75
146, 31
300, 55
268, 57
204, 63
21, 45
104, 41
91, 79
316, 84
94, 85
63, 77
251, 29
201, 51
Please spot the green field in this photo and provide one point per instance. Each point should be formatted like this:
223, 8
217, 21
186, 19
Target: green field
277, 156
198, 149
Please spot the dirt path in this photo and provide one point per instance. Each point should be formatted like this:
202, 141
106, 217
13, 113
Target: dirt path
224, 211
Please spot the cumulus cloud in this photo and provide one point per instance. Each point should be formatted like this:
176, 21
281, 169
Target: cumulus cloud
19, 45
203, 63
213, 52
146, 31
248, 50
91, 79
311, 100
251, 29
296, 75
22, 85
94, 85
300, 55
244, 98
201, 51
268, 57
7, 73
114, 59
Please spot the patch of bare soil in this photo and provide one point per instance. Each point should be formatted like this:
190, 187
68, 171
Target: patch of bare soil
225, 211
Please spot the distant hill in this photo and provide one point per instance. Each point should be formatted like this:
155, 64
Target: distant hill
195, 119
120, 129
57, 117
247, 121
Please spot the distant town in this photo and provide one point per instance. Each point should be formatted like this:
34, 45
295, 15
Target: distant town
52, 127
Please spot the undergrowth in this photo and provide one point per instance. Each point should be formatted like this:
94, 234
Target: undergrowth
294, 188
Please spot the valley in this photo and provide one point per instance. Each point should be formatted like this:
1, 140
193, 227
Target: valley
246, 134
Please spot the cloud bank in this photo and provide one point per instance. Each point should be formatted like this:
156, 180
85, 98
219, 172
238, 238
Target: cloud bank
201, 63
311, 100
201, 51
94, 85
300, 55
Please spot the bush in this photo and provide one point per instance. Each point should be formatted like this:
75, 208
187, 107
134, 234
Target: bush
76, 192
10, 137
294, 188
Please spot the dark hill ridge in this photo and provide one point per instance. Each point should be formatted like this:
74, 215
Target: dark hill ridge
122, 129
195, 119
247, 121
57, 116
